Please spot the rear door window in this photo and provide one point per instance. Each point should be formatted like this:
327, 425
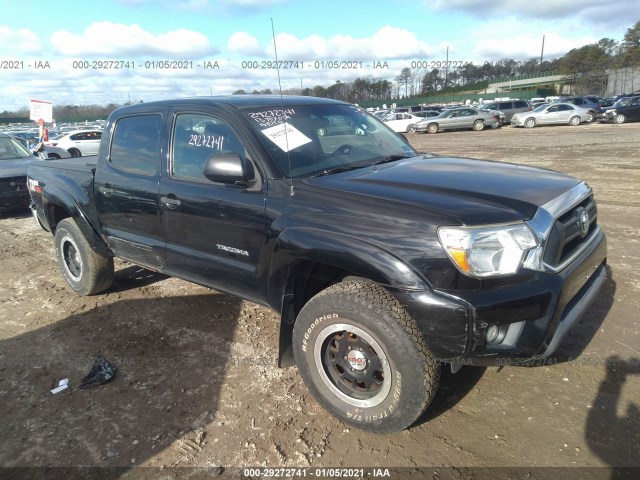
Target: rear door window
135, 145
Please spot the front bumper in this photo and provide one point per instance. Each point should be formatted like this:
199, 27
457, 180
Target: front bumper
533, 317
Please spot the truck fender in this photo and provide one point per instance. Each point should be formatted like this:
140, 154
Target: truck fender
56, 197
347, 253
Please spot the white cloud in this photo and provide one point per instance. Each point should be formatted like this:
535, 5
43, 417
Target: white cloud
386, 44
107, 38
523, 47
244, 44
17, 41
609, 12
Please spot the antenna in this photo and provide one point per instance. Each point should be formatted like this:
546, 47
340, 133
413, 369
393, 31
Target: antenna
286, 138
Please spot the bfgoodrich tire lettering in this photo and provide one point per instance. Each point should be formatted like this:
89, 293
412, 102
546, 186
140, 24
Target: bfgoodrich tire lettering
363, 358
85, 271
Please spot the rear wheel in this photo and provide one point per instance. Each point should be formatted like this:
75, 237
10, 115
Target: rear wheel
432, 128
85, 271
363, 358
530, 123
575, 120
478, 125
54, 156
619, 118
74, 152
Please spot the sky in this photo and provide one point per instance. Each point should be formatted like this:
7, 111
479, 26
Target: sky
66, 52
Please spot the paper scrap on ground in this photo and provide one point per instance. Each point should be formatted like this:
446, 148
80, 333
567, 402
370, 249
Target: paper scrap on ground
62, 384
286, 136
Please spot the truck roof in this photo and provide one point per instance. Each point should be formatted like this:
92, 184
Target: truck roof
238, 101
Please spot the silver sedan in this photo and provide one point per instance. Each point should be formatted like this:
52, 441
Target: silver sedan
459, 118
554, 114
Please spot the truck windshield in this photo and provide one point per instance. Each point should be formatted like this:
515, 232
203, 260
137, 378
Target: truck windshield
306, 140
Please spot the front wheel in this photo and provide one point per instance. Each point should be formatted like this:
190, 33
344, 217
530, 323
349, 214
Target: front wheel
529, 123
574, 121
619, 118
363, 358
432, 128
85, 271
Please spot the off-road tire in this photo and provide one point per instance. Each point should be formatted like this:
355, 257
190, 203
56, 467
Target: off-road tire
360, 312
86, 272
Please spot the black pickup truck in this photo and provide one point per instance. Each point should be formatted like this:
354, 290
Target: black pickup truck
383, 263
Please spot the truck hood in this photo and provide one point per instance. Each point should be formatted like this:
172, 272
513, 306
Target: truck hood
472, 192
15, 168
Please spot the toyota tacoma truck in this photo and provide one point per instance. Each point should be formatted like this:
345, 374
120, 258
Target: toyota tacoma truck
384, 264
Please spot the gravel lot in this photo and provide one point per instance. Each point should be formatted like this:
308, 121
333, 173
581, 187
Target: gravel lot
197, 384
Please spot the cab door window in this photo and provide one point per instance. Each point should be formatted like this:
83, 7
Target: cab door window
196, 137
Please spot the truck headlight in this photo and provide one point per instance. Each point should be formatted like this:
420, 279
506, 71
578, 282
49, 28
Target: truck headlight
488, 251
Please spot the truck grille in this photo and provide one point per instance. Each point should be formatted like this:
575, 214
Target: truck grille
570, 232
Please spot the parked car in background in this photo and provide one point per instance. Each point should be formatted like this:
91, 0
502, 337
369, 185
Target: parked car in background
508, 107
552, 114
459, 118
424, 115
79, 143
380, 114
409, 109
590, 103
14, 163
399, 122
624, 110
47, 151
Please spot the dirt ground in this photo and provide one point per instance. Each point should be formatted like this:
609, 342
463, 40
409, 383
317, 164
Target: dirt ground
198, 386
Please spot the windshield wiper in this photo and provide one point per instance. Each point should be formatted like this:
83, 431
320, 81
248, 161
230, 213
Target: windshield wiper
390, 158
331, 171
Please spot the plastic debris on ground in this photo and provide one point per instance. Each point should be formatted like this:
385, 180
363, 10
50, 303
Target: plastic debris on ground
101, 372
62, 385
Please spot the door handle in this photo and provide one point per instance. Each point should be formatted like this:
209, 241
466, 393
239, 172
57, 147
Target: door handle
171, 203
106, 190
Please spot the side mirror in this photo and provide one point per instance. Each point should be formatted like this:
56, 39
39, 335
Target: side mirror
229, 168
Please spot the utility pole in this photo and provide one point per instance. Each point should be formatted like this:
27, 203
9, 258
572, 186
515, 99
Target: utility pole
446, 70
542, 53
